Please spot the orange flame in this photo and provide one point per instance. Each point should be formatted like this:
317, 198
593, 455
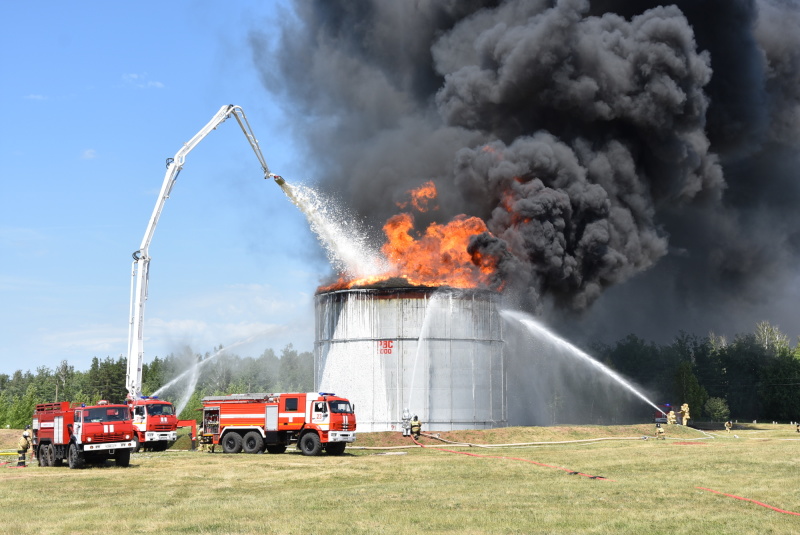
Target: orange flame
422, 198
436, 257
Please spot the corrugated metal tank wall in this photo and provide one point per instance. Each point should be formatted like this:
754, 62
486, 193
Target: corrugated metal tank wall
438, 352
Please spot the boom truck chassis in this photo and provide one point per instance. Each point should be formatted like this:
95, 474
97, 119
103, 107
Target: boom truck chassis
81, 434
255, 423
155, 421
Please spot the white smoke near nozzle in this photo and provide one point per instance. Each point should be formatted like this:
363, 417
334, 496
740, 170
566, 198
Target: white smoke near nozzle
603, 143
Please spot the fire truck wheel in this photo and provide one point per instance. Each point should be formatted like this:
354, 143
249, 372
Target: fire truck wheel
74, 457
136, 444
232, 442
335, 448
253, 442
310, 444
50, 455
276, 448
123, 458
41, 454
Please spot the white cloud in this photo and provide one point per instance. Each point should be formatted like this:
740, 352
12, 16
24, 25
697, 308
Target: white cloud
35, 97
141, 81
89, 154
91, 340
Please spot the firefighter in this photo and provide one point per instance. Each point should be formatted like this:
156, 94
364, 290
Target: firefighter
797, 427
23, 446
200, 445
416, 427
685, 413
406, 425
671, 418
728, 426
659, 432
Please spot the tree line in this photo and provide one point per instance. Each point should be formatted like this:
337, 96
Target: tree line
755, 376
216, 372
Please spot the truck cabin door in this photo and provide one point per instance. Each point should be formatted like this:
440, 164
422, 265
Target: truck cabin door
319, 412
77, 424
292, 413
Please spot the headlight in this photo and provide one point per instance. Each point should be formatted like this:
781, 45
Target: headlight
127, 437
88, 439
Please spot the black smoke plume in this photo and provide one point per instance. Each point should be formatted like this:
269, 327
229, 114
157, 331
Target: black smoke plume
603, 142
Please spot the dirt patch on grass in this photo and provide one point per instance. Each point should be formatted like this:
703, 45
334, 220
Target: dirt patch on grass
9, 438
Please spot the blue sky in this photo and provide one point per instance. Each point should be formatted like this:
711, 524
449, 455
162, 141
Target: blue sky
96, 96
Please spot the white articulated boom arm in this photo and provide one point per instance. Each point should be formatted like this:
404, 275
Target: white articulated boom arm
141, 258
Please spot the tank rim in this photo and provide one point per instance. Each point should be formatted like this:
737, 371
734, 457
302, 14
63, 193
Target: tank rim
399, 290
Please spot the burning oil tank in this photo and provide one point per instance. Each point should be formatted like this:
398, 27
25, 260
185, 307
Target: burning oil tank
436, 351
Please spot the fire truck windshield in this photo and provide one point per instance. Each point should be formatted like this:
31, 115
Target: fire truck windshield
340, 407
160, 410
107, 414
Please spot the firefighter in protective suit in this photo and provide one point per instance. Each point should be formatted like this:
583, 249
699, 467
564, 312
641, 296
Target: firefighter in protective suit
659, 432
23, 446
406, 425
671, 418
416, 427
685, 413
200, 444
728, 426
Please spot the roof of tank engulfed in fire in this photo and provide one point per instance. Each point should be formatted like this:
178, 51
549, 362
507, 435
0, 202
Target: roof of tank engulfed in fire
396, 287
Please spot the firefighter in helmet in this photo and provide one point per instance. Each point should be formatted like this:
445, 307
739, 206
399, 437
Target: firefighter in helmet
659, 432
23, 446
200, 445
406, 425
685, 413
416, 427
671, 418
728, 426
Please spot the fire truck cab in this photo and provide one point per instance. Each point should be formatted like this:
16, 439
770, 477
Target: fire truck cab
254, 423
154, 423
82, 434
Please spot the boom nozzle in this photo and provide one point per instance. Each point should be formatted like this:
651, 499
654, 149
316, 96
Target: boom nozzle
278, 179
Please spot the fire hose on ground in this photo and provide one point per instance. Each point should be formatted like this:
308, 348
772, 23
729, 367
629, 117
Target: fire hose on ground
417, 444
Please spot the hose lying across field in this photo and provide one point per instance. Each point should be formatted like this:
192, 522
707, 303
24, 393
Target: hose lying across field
568, 471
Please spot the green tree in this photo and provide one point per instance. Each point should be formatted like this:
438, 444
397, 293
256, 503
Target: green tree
717, 409
21, 413
778, 387
688, 389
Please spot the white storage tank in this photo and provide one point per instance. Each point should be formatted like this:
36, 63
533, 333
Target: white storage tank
436, 351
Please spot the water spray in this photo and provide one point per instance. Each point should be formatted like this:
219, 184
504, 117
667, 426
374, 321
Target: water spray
193, 374
344, 240
540, 331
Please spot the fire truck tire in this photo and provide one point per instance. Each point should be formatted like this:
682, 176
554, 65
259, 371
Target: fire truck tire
310, 444
253, 442
232, 442
335, 448
276, 448
123, 458
50, 455
43, 455
75, 458
136, 444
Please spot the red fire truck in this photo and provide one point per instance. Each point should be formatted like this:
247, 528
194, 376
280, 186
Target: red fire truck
254, 423
82, 434
154, 423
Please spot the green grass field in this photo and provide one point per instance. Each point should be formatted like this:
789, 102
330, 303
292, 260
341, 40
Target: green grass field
651, 487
